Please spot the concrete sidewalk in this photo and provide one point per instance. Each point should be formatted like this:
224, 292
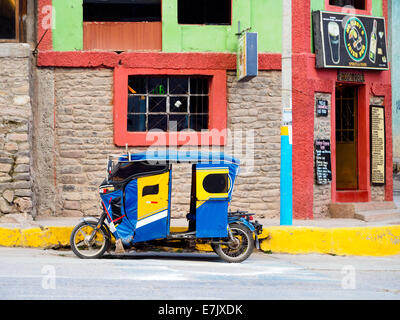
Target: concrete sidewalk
329, 236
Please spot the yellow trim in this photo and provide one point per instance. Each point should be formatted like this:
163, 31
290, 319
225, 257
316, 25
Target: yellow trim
203, 195
199, 203
160, 200
284, 131
152, 213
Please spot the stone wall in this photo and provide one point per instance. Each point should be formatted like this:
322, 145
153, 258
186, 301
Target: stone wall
74, 124
256, 105
322, 130
15, 124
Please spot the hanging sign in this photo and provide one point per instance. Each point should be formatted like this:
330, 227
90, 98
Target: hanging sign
349, 41
247, 57
377, 138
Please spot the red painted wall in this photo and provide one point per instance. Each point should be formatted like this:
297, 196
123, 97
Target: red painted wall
44, 34
306, 81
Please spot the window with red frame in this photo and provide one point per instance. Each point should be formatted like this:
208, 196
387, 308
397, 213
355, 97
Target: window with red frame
167, 103
357, 4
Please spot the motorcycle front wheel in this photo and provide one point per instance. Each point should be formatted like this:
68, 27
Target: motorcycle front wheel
87, 242
239, 249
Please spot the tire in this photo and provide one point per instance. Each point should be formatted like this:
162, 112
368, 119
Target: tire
93, 250
239, 252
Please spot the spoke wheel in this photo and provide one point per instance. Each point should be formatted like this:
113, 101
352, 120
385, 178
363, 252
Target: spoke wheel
239, 249
86, 245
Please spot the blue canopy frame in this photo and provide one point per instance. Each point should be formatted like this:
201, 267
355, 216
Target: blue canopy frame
180, 156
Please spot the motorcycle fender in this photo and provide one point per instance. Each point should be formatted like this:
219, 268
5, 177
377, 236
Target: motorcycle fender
243, 221
248, 225
90, 219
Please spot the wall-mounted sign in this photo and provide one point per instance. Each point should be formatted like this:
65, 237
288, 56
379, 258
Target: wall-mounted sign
349, 41
350, 75
247, 56
322, 108
378, 150
323, 161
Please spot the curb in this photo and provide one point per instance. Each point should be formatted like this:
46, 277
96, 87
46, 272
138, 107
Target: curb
361, 241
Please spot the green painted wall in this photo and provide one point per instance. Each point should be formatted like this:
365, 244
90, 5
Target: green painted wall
377, 9
68, 32
263, 16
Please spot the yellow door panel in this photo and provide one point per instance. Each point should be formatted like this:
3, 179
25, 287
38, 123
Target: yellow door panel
202, 174
152, 194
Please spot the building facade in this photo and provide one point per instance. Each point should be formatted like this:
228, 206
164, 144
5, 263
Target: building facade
106, 76
89, 76
350, 85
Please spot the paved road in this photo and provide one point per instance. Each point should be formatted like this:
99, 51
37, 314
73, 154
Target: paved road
49, 274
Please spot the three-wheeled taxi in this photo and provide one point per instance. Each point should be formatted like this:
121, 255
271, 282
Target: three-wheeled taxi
136, 203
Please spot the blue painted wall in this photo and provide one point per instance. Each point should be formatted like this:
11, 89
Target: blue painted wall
395, 34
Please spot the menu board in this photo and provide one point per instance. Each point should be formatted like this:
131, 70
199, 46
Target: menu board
349, 41
378, 150
323, 161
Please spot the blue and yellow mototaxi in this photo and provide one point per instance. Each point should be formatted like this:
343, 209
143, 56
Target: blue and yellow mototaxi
136, 204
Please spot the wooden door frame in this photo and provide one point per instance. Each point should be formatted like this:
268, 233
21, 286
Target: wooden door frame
363, 193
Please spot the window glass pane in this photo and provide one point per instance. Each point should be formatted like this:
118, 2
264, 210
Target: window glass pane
157, 85
147, 190
150, 106
178, 122
204, 12
7, 19
178, 85
157, 122
157, 104
199, 85
357, 4
199, 104
199, 122
136, 122
178, 104
136, 104
137, 84
111, 10
216, 183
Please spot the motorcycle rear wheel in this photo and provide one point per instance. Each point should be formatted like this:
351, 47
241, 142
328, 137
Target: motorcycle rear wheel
81, 244
239, 250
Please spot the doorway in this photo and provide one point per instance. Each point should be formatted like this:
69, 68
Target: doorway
346, 111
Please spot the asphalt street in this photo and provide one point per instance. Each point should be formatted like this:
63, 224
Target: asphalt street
39, 274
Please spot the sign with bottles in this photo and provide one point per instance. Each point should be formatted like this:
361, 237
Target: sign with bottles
349, 41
